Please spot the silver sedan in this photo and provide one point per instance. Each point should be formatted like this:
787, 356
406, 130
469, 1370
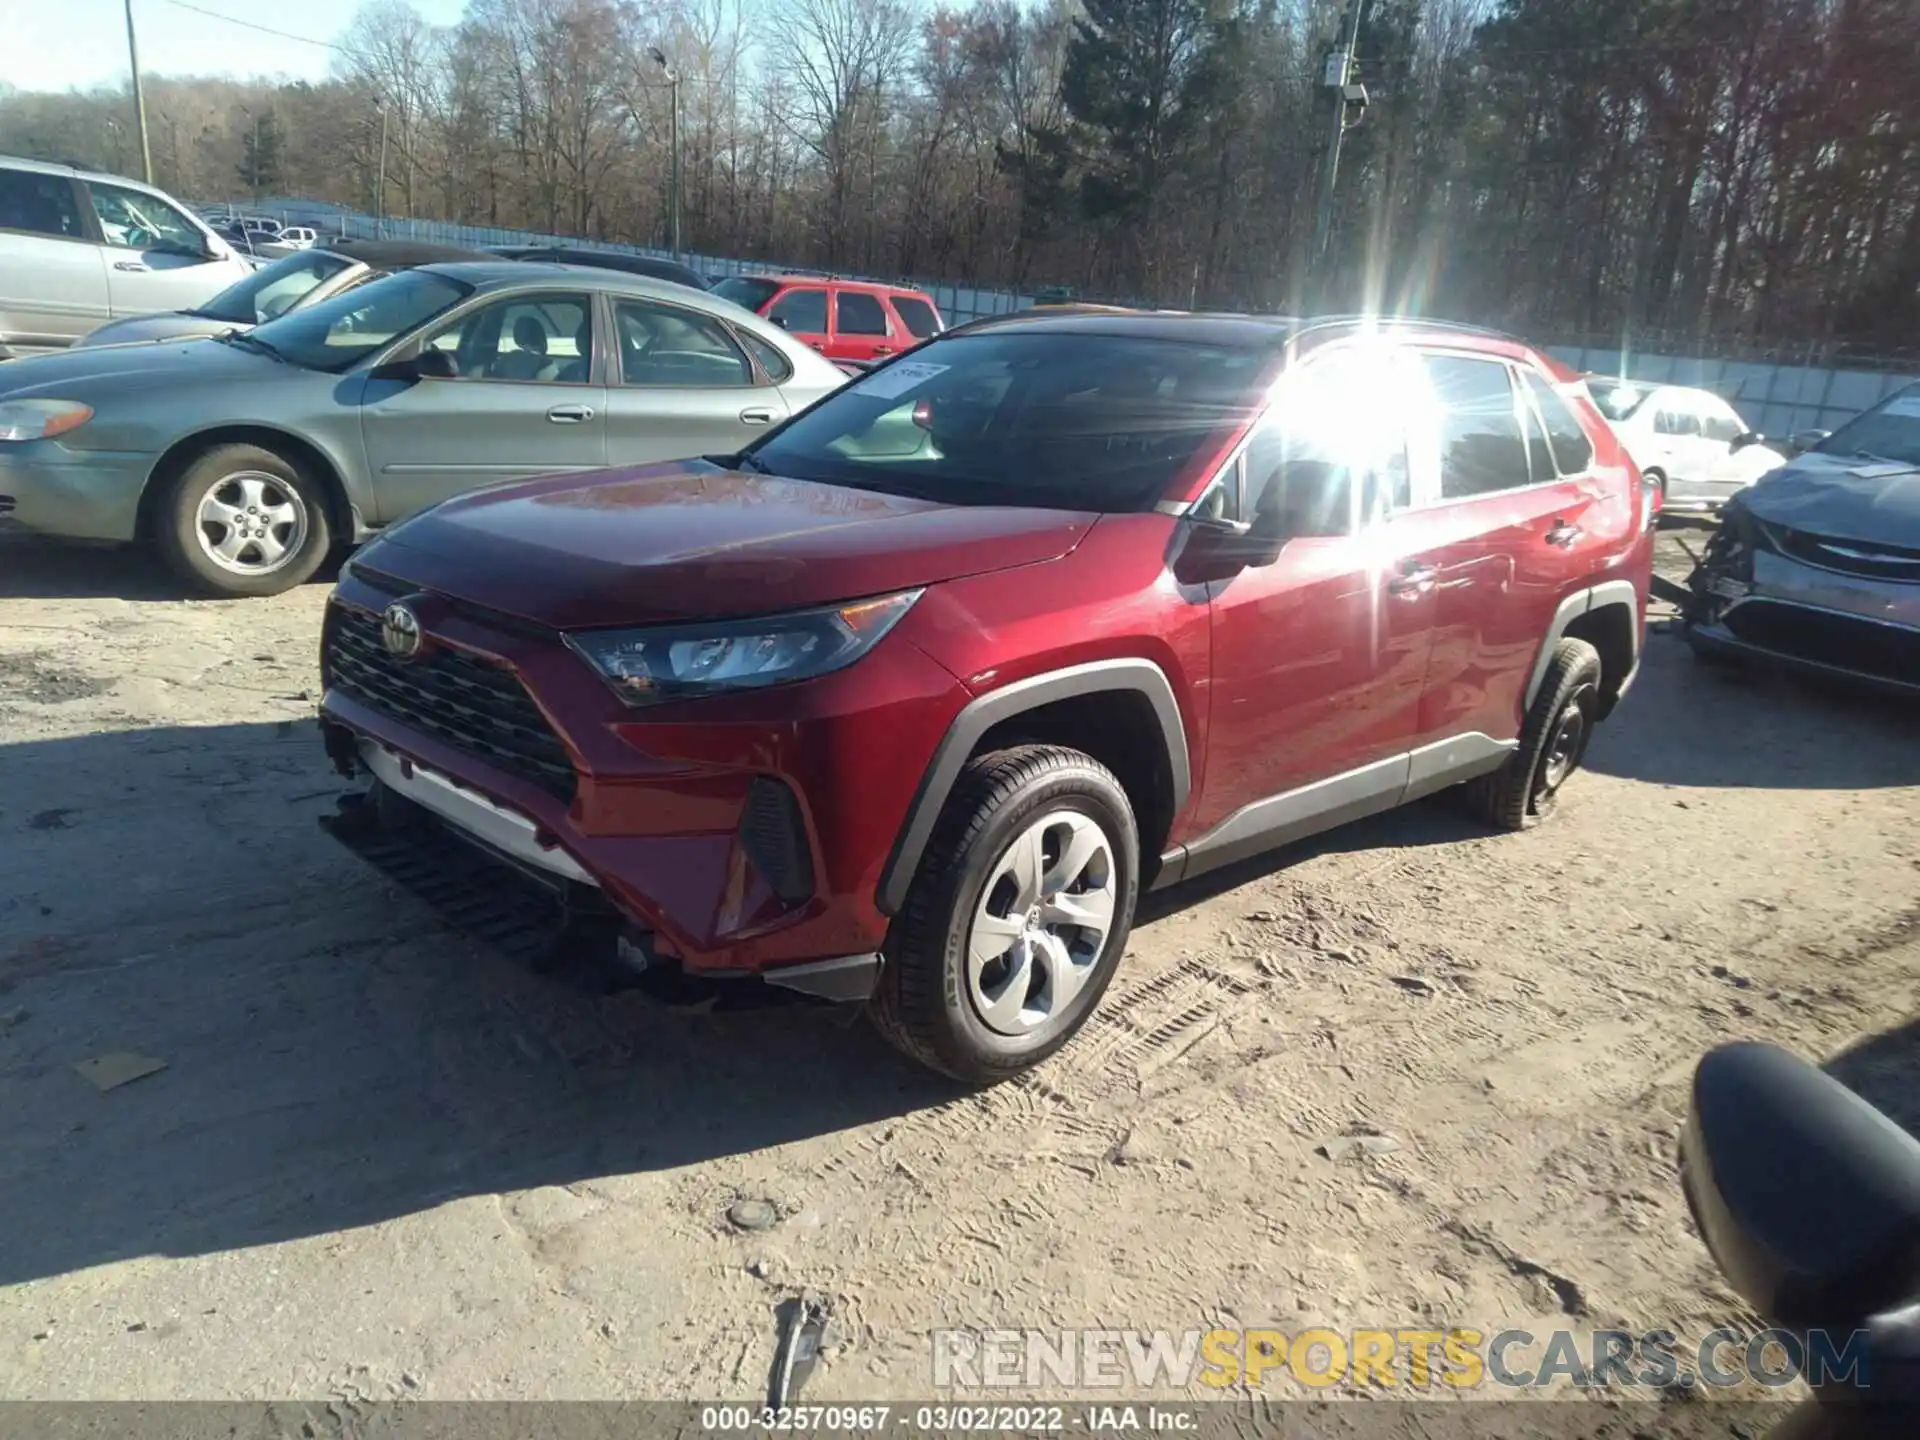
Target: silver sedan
244, 459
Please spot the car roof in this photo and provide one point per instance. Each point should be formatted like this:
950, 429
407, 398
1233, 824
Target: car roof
1240, 331
504, 274
402, 254
872, 287
1652, 387
593, 259
79, 172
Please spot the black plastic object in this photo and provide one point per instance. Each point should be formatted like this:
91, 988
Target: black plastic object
1808, 1197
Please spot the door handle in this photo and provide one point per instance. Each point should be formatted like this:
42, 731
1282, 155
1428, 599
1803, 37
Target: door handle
1413, 579
570, 414
1562, 533
756, 417
135, 265
883, 349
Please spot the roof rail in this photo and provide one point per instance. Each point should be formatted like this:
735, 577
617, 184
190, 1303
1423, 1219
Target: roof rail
1460, 327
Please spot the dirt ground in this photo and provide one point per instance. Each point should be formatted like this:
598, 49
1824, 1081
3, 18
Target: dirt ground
383, 1160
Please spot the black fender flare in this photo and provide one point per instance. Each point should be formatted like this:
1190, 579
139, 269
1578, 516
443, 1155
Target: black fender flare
1619, 593
983, 712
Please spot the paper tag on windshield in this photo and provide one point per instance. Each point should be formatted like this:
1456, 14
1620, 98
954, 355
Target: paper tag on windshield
1882, 472
898, 378
1906, 404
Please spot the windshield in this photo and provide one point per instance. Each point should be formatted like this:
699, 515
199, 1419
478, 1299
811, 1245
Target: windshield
337, 334
746, 292
1079, 422
1616, 399
1889, 431
270, 292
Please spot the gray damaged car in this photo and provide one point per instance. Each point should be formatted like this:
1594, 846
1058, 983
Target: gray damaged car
245, 458
1816, 567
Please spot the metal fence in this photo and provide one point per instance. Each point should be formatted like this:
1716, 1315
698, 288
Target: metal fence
1774, 398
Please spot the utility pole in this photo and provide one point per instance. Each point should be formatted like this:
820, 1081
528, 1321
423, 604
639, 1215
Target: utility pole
139, 100
380, 104
673, 130
1346, 88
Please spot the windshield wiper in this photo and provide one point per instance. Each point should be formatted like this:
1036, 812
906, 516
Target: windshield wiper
254, 342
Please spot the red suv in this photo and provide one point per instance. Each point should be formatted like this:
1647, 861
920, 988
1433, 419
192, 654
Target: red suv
908, 702
847, 320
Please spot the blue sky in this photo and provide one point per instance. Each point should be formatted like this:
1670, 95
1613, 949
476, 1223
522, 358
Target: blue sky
62, 44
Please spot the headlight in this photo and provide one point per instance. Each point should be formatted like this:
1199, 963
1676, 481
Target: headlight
41, 419
648, 667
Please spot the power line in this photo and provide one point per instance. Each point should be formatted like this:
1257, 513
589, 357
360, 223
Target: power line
263, 29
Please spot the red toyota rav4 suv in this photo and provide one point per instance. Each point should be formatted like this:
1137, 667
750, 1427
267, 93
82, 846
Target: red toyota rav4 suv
910, 701
847, 320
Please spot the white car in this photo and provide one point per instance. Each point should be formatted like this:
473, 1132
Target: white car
1690, 443
294, 237
78, 249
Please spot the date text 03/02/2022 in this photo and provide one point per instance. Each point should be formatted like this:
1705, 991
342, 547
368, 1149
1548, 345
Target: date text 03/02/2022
948, 1419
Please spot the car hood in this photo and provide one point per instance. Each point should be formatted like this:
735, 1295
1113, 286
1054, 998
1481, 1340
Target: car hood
151, 329
1847, 499
693, 540
107, 370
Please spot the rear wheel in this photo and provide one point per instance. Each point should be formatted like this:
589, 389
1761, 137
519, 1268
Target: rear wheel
1553, 742
1018, 916
243, 520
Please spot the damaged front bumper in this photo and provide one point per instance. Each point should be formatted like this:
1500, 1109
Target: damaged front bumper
449, 845
1759, 595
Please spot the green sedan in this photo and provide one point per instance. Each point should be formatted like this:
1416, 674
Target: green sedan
247, 457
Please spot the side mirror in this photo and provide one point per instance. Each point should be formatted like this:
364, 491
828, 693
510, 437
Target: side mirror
781, 321
1807, 1197
427, 365
1805, 440
1747, 438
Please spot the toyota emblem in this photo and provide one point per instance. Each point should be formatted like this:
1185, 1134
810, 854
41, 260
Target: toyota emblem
400, 632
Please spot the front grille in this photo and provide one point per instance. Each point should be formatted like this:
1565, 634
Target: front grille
1865, 558
476, 706
1888, 652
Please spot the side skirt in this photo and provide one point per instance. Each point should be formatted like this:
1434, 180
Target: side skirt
1323, 805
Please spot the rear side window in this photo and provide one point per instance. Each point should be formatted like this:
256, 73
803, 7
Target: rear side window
858, 313
1675, 419
39, 205
1572, 450
779, 369
664, 345
1721, 425
1481, 448
803, 312
917, 315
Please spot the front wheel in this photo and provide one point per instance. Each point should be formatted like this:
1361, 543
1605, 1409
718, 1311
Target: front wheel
1017, 918
242, 520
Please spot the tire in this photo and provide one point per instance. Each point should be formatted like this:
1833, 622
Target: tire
1553, 741
1658, 479
935, 1002
278, 509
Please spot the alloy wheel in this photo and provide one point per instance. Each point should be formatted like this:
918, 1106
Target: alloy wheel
251, 522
